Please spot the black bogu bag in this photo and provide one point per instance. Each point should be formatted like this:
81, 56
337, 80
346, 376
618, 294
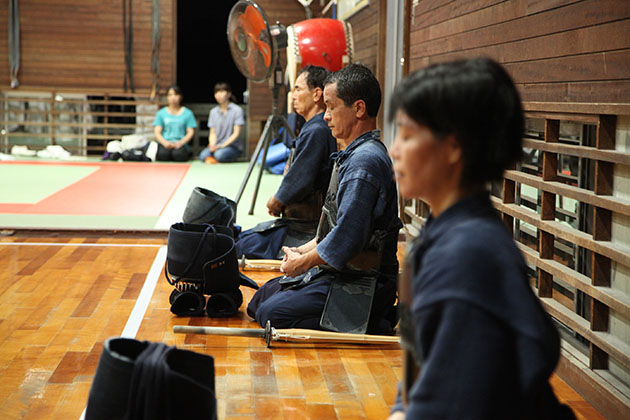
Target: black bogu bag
201, 260
143, 380
207, 207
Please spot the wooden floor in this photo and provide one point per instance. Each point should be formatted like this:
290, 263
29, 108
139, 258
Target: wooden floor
61, 297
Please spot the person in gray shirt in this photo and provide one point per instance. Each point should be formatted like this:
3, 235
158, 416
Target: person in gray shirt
225, 122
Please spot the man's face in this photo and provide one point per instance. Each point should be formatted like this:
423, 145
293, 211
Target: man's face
302, 96
341, 118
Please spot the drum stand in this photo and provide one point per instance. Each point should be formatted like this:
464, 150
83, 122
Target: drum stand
274, 122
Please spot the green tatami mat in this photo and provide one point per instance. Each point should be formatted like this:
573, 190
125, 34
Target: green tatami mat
224, 179
29, 184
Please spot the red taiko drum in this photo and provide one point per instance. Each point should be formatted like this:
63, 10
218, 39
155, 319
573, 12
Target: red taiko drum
319, 42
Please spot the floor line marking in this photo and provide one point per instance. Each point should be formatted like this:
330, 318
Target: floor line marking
144, 298
142, 303
79, 244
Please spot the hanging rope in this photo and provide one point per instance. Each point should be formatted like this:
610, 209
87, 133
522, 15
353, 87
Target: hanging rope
14, 42
307, 9
155, 47
128, 43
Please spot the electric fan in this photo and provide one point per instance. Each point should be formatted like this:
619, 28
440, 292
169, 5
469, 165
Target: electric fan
254, 47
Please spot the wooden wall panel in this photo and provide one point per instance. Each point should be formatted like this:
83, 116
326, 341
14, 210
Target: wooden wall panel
79, 44
369, 31
556, 50
365, 30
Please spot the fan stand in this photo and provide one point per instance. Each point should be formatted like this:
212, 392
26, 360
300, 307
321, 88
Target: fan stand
274, 122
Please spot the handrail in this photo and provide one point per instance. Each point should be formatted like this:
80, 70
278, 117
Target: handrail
579, 151
608, 202
617, 252
615, 299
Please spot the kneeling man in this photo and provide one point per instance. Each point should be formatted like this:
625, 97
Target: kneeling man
298, 201
345, 278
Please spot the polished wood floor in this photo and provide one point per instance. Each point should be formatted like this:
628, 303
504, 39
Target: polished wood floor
61, 297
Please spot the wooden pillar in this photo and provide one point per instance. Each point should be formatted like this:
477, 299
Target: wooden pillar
602, 228
52, 118
548, 207
509, 197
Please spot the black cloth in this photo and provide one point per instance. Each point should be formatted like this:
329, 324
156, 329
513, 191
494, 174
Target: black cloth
486, 345
143, 380
182, 154
263, 240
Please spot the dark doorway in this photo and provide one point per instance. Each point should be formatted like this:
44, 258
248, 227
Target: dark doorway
203, 53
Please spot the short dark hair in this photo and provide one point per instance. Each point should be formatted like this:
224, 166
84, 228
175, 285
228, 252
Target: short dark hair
356, 82
315, 76
475, 100
176, 88
222, 86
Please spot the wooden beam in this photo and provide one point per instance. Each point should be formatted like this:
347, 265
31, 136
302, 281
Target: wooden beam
589, 384
615, 204
614, 251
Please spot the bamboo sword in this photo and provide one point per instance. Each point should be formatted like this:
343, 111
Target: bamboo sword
259, 265
290, 334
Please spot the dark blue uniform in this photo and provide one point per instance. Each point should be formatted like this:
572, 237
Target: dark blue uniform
311, 167
486, 345
301, 191
366, 202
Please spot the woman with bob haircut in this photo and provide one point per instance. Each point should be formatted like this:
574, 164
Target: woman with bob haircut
174, 127
484, 345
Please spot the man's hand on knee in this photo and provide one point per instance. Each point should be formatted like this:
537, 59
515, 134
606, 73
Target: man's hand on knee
275, 206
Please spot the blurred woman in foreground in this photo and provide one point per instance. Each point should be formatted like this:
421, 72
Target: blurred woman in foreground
484, 345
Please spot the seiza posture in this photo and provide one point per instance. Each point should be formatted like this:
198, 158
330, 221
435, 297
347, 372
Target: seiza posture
483, 343
300, 197
356, 242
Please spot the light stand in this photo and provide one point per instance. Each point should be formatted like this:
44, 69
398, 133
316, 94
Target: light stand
274, 122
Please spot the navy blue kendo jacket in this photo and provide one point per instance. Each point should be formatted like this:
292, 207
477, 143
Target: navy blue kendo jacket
366, 201
311, 167
486, 345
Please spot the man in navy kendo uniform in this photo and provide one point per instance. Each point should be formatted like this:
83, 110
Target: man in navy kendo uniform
358, 230
307, 179
300, 197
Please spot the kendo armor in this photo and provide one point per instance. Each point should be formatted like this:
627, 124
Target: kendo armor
201, 261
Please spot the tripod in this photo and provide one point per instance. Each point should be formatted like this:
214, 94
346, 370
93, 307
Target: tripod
274, 122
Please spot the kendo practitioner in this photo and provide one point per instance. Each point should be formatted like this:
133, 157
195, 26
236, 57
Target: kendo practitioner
483, 344
299, 199
303, 187
344, 279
